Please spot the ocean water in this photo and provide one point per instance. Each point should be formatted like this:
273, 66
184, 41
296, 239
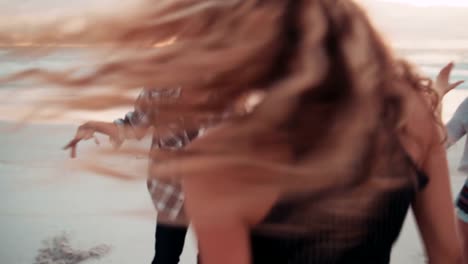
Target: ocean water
429, 59
13, 60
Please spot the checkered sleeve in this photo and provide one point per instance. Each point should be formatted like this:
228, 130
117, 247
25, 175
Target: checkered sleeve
136, 123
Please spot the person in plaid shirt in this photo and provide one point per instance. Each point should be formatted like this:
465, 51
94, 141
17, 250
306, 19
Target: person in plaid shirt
166, 195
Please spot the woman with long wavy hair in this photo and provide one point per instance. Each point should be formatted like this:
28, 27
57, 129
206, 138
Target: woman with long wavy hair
324, 168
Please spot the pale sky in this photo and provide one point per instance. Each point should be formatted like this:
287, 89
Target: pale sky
421, 20
399, 19
431, 2
20, 5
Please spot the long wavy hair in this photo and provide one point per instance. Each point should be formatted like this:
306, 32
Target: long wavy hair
329, 81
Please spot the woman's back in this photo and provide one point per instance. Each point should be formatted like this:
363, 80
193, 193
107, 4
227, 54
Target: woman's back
314, 228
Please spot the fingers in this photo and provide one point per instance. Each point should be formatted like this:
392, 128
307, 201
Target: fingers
442, 85
85, 134
445, 71
72, 145
73, 152
96, 140
442, 81
455, 85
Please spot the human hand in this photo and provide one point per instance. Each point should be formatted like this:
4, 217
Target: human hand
442, 84
84, 132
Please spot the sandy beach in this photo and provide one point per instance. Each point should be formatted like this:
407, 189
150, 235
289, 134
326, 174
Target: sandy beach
41, 198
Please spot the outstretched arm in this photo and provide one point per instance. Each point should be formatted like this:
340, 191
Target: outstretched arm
87, 130
135, 124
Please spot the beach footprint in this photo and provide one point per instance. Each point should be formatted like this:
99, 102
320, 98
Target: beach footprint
57, 250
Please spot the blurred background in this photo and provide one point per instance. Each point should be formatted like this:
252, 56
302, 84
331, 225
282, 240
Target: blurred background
41, 196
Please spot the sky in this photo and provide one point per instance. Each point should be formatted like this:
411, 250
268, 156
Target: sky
21, 6
57, 7
30, 5
398, 19
425, 3
422, 21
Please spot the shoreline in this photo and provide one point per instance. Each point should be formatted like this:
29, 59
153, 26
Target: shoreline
23, 109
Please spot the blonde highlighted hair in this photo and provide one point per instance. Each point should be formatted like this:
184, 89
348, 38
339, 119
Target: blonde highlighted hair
328, 80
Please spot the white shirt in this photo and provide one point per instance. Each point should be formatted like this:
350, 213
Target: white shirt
457, 127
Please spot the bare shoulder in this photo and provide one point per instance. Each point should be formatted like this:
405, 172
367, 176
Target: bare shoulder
420, 128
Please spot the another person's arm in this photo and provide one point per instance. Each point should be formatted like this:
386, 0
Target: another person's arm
87, 130
442, 83
135, 124
455, 127
442, 86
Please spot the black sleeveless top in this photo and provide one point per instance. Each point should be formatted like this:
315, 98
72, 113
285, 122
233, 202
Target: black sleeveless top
301, 231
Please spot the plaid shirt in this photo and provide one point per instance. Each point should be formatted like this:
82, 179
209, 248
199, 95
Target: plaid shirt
167, 196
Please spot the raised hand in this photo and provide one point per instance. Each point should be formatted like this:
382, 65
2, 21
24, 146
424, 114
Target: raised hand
442, 83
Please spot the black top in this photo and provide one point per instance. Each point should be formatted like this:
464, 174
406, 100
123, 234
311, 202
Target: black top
320, 234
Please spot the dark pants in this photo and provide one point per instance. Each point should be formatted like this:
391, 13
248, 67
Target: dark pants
169, 243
